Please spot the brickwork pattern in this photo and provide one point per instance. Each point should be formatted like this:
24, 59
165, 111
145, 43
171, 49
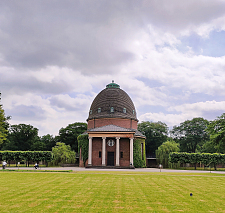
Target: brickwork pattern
126, 123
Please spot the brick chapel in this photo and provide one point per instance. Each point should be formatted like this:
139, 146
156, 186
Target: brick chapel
112, 129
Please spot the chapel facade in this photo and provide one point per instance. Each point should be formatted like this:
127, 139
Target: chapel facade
112, 130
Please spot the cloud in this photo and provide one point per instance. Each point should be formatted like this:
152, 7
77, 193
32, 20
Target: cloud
28, 113
208, 110
93, 36
55, 57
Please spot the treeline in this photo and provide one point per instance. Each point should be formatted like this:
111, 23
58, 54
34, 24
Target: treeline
191, 136
25, 138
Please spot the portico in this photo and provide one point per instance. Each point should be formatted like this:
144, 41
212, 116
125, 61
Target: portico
110, 147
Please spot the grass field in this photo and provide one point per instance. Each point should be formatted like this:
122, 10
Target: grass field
111, 192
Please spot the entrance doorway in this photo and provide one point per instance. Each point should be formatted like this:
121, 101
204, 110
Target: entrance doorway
110, 159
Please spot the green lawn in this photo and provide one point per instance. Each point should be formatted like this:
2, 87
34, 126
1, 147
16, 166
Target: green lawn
111, 192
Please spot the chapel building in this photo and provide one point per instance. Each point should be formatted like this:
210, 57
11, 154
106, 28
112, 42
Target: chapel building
112, 130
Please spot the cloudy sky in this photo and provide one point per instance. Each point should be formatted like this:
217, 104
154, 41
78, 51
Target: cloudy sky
56, 56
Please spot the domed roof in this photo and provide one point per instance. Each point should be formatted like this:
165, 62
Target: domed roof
112, 102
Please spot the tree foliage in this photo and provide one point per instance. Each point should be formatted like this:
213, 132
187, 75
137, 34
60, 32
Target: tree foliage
48, 142
191, 134
69, 134
3, 124
62, 153
21, 137
156, 134
163, 151
216, 129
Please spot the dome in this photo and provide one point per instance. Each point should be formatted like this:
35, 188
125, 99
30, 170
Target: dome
112, 102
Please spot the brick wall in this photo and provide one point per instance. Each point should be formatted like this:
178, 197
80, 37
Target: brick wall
126, 123
125, 148
96, 147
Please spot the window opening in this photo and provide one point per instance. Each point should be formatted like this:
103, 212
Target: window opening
100, 154
124, 110
99, 110
111, 109
121, 154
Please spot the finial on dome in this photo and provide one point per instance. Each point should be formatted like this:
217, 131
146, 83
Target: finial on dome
112, 85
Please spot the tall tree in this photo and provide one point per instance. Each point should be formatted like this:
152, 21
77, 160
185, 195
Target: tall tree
156, 134
163, 151
48, 142
4, 125
69, 134
216, 129
21, 137
62, 153
191, 134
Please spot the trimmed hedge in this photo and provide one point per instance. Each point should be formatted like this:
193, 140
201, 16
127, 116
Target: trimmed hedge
34, 156
204, 158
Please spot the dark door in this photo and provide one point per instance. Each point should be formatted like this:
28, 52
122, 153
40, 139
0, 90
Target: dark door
110, 159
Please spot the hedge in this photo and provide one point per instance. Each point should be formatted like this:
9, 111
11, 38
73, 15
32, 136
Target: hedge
34, 156
204, 158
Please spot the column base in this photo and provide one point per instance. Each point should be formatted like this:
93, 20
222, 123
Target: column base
110, 167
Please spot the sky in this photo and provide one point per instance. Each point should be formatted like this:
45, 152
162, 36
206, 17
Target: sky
56, 56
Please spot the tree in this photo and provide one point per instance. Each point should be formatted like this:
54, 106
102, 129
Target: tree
21, 137
216, 129
48, 141
163, 151
4, 125
191, 134
62, 153
69, 134
209, 147
156, 134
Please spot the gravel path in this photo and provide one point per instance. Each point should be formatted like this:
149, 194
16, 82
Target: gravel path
127, 170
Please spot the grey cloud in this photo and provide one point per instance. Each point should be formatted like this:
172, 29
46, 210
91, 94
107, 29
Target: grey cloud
26, 113
68, 106
21, 84
90, 36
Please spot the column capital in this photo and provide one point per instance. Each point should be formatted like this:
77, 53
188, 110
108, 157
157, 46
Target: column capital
117, 138
89, 137
131, 138
103, 138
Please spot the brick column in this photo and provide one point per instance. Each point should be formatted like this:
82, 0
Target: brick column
90, 152
103, 151
131, 151
117, 151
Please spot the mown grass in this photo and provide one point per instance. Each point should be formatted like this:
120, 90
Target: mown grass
111, 192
